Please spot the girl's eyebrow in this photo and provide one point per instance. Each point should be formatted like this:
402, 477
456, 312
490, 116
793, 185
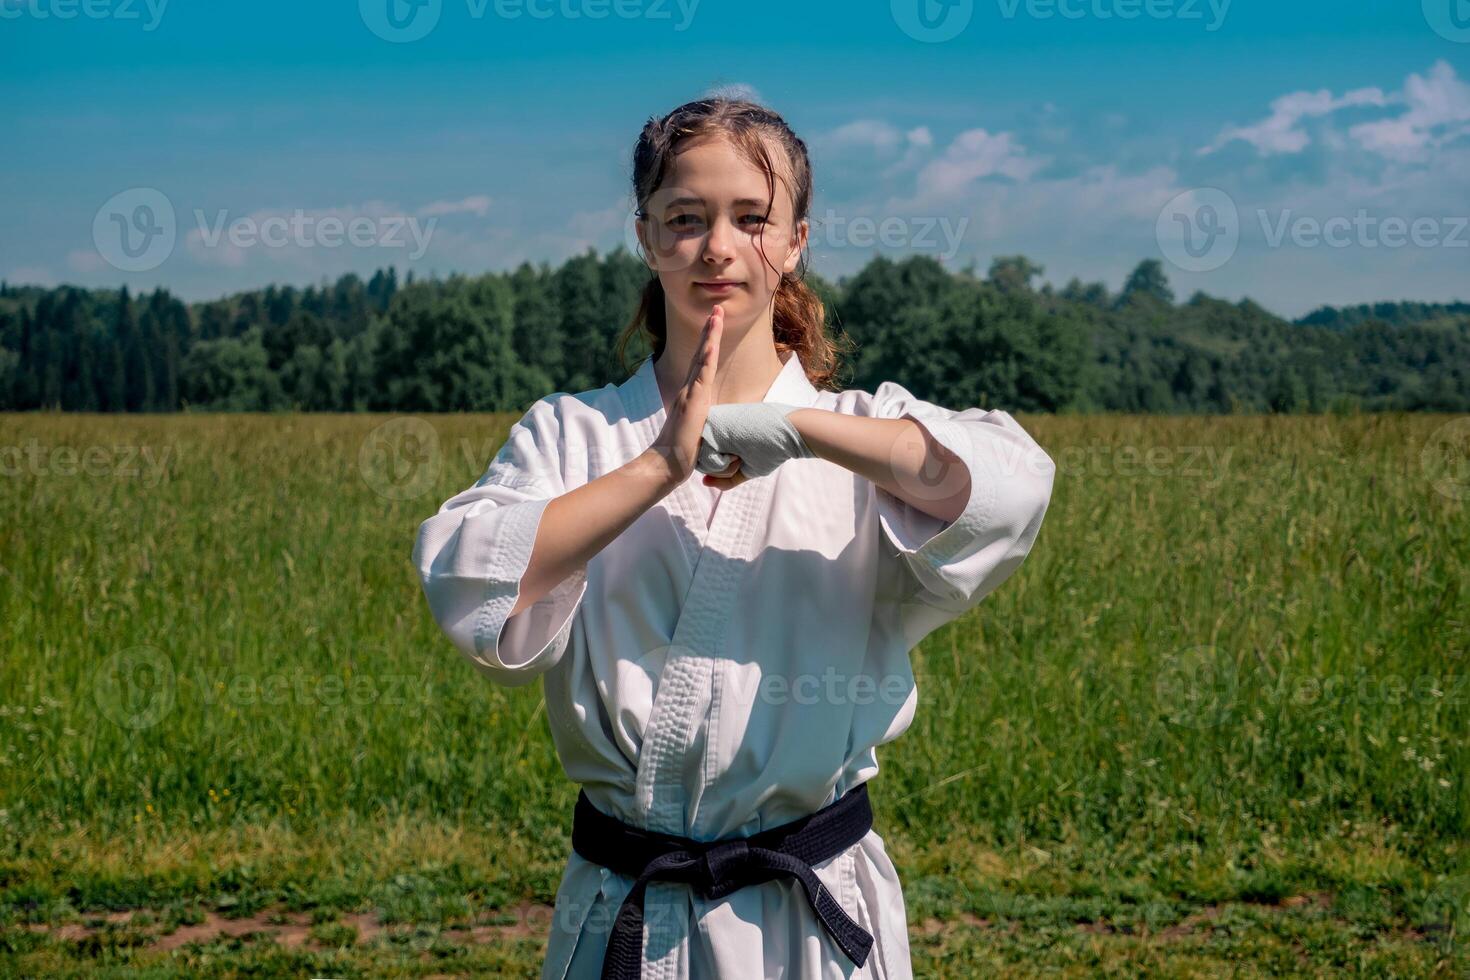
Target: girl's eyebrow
751, 201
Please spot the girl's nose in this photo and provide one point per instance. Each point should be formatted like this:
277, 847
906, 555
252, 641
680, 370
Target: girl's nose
717, 244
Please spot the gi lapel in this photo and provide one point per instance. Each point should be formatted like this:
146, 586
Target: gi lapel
667, 805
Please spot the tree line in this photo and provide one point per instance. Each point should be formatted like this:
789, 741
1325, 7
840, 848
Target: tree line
499, 341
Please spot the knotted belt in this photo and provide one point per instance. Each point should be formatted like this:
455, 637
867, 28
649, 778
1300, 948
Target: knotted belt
717, 868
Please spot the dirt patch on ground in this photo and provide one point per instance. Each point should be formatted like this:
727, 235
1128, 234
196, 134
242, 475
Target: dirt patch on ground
294, 929
1192, 924
1207, 915
932, 926
531, 920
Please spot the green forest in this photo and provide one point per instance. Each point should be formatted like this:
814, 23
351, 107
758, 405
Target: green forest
499, 341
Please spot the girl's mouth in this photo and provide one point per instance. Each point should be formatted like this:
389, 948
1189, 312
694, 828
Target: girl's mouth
719, 288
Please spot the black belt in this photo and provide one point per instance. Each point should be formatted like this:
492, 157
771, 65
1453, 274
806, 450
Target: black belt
717, 868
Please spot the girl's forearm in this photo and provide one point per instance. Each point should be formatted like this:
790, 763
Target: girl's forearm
898, 455
581, 522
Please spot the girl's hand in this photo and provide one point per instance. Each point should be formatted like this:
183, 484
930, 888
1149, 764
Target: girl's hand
760, 435
678, 443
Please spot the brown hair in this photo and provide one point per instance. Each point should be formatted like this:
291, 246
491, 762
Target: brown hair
799, 316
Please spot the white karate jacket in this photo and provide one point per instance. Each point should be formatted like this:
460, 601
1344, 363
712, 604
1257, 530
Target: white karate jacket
712, 673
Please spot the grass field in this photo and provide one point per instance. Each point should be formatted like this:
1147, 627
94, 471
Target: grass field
1216, 725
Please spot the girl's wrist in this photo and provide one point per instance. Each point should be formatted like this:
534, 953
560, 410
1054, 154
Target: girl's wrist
805, 415
657, 465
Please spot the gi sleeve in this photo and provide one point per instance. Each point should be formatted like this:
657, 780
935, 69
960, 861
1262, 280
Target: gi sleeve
471, 555
955, 564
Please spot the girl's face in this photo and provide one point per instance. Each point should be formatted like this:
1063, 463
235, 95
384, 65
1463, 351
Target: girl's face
709, 238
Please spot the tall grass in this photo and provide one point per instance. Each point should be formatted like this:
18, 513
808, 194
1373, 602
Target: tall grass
1239, 636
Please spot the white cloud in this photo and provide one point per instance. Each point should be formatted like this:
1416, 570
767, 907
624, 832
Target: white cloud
864, 133
1438, 112
476, 204
878, 136
973, 155
594, 228
959, 183
310, 239
920, 142
1085, 207
1281, 132
735, 90
1433, 110
84, 260
29, 275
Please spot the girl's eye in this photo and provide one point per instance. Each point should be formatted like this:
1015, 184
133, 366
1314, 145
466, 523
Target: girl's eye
689, 220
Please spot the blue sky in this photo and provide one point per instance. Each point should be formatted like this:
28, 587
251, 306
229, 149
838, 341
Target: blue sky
296, 141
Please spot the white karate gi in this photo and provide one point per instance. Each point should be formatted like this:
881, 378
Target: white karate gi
714, 674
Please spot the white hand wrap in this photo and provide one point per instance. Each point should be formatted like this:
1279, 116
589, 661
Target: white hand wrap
758, 432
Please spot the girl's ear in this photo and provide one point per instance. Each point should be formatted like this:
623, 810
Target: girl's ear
640, 227
793, 258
